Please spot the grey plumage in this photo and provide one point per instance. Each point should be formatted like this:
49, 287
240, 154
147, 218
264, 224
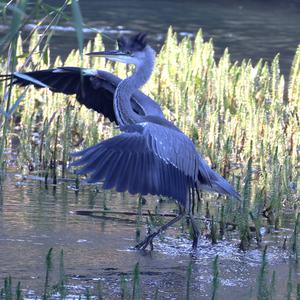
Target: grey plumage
137, 162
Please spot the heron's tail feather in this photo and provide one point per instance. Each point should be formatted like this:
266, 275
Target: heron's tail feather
213, 182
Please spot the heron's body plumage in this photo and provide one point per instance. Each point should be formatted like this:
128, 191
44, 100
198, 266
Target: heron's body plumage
145, 159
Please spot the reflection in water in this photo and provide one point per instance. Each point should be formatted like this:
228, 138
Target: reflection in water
34, 219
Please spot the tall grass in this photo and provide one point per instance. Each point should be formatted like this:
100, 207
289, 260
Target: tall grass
263, 292
216, 279
21, 13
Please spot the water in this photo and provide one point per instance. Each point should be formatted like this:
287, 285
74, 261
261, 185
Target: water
250, 29
34, 219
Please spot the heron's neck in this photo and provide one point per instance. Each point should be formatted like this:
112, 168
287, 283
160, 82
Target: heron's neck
125, 115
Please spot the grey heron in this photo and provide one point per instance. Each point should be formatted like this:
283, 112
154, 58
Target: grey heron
151, 156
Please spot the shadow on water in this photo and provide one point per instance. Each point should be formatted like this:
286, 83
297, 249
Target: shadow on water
34, 219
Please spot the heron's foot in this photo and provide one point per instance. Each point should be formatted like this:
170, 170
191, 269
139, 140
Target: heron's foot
148, 240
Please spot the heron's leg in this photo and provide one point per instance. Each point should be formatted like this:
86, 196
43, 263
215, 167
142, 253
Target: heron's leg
196, 231
143, 244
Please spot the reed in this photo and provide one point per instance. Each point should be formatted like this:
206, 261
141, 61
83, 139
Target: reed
216, 280
87, 294
61, 286
16, 60
19, 295
289, 285
294, 238
99, 293
136, 285
156, 295
138, 219
46, 293
124, 288
188, 280
243, 222
263, 292
213, 231
6, 293
222, 223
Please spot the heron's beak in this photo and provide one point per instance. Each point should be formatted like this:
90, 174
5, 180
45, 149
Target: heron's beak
114, 55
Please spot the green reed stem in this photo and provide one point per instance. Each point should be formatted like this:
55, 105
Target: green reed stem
216, 280
262, 289
136, 289
47, 276
188, 280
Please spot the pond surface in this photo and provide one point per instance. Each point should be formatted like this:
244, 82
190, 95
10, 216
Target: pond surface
34, 219
250, 29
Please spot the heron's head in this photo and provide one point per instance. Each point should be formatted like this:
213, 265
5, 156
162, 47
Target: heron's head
131, 50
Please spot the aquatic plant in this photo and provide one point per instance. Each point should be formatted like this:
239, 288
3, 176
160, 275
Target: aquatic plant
216, 280
243, 222
263, 289
13, 44
298, 291
188, 280
138, 219
273, 286
46, 292
289, 282
222, 223
61, 285
213, 230
99, 293
124, 288
6, 293
136, 283
294, 237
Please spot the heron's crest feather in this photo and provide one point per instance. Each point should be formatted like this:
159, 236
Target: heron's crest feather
133, 43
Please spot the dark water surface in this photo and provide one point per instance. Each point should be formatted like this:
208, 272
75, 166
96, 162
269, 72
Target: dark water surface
250, 29
34, 219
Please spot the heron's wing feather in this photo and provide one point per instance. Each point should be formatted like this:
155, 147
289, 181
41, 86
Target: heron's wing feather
93, 88
173, 147
127, 163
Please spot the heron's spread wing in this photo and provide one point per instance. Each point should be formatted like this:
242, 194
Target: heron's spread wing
93, 88
172, 146
137, 162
